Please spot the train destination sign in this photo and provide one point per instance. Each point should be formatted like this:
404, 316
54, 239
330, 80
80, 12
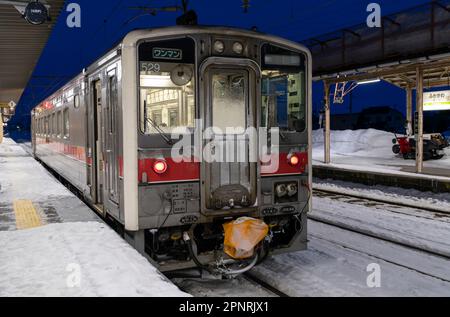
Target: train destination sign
167, 53
436, 100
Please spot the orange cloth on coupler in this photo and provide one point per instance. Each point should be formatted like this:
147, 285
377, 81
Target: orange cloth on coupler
243, 235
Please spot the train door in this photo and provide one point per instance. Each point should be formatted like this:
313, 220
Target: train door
110, 143
34, 125
95, 149
230, 178
99, 158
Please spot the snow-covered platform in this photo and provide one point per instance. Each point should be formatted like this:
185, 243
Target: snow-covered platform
366, 156
52, 244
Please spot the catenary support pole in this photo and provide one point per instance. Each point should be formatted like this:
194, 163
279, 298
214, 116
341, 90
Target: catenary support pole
327, 158
409, 113
1, 128
419, 121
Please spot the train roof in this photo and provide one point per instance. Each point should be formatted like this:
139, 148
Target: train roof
132, 37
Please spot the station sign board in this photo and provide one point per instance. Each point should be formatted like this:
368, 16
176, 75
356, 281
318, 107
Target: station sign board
436, 100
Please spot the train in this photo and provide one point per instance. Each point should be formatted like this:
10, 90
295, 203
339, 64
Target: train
113, 133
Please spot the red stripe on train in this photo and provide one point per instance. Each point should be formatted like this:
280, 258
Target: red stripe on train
284, 167
75, 152
182, 171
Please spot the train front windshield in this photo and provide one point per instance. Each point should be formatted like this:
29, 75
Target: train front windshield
167, 89
167, 85
283, 89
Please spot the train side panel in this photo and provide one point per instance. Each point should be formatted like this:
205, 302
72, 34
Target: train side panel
59, 133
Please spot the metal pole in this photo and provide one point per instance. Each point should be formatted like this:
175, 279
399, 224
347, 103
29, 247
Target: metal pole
350, 107
419, 121
409, 113
1, 127
327, 158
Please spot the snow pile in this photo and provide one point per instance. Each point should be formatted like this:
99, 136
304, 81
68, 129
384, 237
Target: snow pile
369, 142
371, 150
76, 259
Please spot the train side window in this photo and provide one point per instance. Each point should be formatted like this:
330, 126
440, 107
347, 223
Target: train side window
58, 123
55, 125
66, 123
76, 101
46, 126
112, 103
50, 125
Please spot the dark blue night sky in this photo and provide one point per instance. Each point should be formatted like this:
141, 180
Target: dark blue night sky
105, 22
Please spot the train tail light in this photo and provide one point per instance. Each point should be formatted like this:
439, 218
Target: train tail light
160, 167
293, 160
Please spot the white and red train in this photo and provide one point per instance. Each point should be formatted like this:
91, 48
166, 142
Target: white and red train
109, 133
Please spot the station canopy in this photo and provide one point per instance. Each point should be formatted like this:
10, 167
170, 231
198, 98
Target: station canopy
20, 46
418, 37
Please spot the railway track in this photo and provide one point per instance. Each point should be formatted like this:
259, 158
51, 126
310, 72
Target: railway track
380, 236
426, 213
383, 201
256, 280
246, 285
406, 265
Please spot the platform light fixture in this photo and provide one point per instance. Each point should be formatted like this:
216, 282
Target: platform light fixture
370, 81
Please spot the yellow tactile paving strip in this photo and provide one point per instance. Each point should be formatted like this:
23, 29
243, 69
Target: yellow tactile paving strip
26, 215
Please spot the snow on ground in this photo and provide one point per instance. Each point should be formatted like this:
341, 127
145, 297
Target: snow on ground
337, 260
336, 264
21, 177
431, 234
371, 150
44, 261
419, 199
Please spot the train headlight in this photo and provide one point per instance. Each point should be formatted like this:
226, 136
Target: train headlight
219, 47
281, 190
238, 48
160, 167
291, 189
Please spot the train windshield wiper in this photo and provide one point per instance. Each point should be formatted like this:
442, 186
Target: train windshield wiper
160, 131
